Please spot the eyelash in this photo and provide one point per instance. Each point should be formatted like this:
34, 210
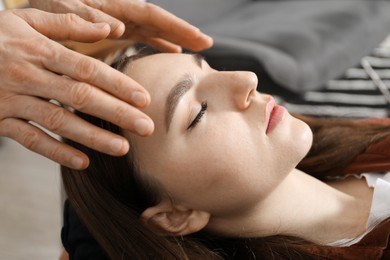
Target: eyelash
199, 115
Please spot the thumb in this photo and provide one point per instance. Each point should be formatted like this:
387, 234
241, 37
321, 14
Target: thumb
64, 26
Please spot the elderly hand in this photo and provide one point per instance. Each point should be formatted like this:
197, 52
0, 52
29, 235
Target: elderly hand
35, 69
134, 19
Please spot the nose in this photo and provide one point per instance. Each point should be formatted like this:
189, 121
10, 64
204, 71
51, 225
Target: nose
242, 85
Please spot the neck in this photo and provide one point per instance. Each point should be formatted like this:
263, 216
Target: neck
304, 207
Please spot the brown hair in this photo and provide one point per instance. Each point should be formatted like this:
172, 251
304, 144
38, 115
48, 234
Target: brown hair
110, 195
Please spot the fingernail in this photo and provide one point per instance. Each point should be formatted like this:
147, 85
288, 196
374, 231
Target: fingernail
139, 98
142, 126
116, 145
77, 162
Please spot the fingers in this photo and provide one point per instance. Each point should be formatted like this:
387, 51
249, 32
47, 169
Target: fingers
94, 15
85, 69
91, 100
72, 26
61, 122
145, 20
66, 124
160, 44
82, 9
167, 26
38, 141
96, 73
87, 87
157, 39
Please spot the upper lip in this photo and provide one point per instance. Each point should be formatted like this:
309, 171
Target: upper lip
268, 110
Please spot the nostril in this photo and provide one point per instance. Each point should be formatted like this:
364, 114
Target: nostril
251, 94
245, 99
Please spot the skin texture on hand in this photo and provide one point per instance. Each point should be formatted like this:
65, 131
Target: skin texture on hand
134, 19
35, 69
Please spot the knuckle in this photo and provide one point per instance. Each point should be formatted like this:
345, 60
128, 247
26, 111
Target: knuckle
90, 14
80, 94
120, 115
43, 45
15, 72
29, 139
56, 153
93, 139
117, 87
85, 69
6, 105
55, 119
8, 128
40, 46
72, 19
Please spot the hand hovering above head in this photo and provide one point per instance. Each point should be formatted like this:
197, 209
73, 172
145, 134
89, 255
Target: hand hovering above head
135, 20
35, 69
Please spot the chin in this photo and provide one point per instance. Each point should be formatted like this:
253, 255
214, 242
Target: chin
298, 137
303, 137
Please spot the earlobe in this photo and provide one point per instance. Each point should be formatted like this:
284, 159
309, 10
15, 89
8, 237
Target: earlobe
168, 219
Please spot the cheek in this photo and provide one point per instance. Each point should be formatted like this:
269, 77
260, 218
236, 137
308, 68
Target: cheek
220, 171
205, 172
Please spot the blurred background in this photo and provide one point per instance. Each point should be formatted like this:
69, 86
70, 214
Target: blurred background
30, 204
30, 200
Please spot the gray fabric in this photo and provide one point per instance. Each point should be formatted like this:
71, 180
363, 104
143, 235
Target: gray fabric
300, 43
200, 12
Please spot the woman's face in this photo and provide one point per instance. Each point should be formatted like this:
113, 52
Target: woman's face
218, 145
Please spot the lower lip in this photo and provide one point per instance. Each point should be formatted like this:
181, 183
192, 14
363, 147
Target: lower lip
276, 117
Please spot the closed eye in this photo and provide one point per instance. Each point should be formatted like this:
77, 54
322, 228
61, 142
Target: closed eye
199, 115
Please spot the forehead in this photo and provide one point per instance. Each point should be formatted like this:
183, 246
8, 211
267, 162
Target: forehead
158, 73
162, 67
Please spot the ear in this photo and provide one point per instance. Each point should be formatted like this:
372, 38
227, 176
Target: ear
168, 219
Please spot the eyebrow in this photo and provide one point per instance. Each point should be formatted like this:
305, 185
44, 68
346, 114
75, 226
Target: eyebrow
178, 91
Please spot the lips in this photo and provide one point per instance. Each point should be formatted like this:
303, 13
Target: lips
274, 114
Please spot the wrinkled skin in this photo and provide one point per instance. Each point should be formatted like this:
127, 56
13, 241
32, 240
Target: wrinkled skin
35, 69
134, 19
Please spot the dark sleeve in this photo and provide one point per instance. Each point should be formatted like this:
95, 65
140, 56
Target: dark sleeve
76, 239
